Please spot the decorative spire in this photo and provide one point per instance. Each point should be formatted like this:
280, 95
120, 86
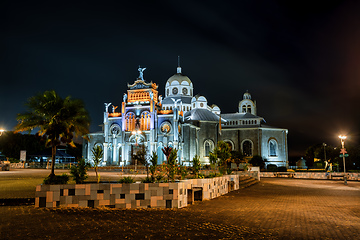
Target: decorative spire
178, 68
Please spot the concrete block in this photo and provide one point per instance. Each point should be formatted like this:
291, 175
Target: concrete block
104, 202
80, 191
112, 199
87, 189
49, 196
121, 205
161, 203
93, 194
73, 205
54, 187
106, 195
68, 199
80, 186
120, 201
83, 198
56, 195
134, 186
40, 194
49, 204
145, 203
75, 200
134, 191
104, 186
83, 203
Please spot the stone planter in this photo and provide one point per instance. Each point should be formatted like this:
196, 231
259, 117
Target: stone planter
134, 195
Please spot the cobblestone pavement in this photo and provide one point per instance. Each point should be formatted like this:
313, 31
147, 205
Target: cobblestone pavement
276, 208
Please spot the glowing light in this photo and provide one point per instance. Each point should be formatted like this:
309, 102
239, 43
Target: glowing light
342, 137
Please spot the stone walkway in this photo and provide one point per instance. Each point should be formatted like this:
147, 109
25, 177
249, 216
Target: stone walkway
276, 208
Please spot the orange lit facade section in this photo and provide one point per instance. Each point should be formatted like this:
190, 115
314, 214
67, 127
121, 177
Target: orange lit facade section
130, 122
115, 114
142, 95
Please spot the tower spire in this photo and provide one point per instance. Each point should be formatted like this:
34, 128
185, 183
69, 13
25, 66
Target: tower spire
178, 68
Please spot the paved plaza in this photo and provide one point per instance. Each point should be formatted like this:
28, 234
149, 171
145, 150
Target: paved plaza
275, 208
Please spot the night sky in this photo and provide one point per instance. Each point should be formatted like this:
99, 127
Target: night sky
300, 61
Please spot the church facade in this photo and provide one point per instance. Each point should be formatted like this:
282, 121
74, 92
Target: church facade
184, 121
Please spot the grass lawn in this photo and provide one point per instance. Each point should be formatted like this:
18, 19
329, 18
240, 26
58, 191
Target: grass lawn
21, 183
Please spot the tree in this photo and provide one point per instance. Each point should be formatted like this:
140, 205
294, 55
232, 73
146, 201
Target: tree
196, 166
140, 157
171, 164
258, 161
167, 151
79, 171
56, 119
213, 159
237, 157
222, 151
11, 143
98, 153
153, 162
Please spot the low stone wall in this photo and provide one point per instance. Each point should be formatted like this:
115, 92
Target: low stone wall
254, 174
311, 175
134, 195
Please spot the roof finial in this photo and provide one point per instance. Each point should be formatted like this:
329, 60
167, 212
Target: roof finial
141, 73
178, 68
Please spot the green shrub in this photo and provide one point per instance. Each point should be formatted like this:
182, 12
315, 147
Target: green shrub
212, 175
182, 171
159, 178
272, 168
147, 180
126, 180
79, 171
54, 179
228, 171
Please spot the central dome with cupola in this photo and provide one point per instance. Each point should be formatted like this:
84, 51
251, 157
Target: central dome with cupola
179, 85
178, 88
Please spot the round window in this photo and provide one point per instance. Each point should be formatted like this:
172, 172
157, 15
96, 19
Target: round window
175, 91
184, 91
201, 105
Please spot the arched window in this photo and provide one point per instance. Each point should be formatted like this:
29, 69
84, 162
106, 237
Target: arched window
272, 148
247, 148
249, 109
244, 109
208, 147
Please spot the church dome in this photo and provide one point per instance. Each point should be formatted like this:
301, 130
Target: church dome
179, 78
178, 85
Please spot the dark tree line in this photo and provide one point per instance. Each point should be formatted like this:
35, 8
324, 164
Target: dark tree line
12, 143
318, 151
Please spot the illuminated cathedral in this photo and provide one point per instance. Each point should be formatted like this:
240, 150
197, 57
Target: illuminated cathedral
183, 121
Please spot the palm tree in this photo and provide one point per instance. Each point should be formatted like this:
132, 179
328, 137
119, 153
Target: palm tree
56, 119
98, 153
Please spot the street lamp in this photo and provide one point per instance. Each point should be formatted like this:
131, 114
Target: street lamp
343, 151
1, 131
